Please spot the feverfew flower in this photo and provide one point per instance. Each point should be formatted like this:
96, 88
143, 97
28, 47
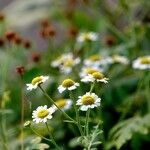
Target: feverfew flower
142, 63
89, 70
87, 101
42, 114
95, 76
67, 84
36, 81
87, 36
93, 60
63, 104
66, 62
120, 59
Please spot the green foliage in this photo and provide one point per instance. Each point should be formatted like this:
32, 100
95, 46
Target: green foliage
125, 130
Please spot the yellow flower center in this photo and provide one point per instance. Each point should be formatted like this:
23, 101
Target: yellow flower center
95, 57
91, 70
43, 113
69, 63
115, 58
36, 80
98, 75
86, 36
68, 83
87, 100
61, 103
145, 60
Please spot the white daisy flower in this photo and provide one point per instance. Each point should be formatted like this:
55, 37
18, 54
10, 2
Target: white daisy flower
87, 101
89, 70
68, 64
95, 76
142, 63
64, 104
67, 84
93, 60
42, 114
87, 36
120, 59
36, 81
61, 59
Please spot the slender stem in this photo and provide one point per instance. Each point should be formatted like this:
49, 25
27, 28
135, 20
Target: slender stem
92, 87
39, 135
77, 113
52, 101
22, 120
3, 132
52, 138
86, 128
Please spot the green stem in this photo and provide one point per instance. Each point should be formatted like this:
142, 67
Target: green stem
52, 101
92, 87
40, 135
52, 138
86, 128
3, 132
77, 113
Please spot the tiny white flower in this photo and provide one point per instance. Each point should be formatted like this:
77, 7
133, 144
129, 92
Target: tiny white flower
42, 114
68, 64
36, 81
63, 104
120, 59
93, 60
65, 62
89, 70
88, 101
67, 84
95, 76
142, 63
87, 36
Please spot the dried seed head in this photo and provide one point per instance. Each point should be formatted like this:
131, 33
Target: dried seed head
20, 70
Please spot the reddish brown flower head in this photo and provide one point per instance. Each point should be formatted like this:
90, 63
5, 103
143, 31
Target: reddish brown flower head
72, 32
2, 17
10, 35
48, 32
110, 40
18, 40
2, 42
27, 44
45, 23
20, 70
36, 56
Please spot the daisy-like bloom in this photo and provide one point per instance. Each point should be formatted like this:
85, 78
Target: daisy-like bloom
87, 36
66, 62
61, 59
142, 63
68, 84
95, 76
42, 114
93, 60
89, 70
36, 81
120, 59
64, 104
87, 101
